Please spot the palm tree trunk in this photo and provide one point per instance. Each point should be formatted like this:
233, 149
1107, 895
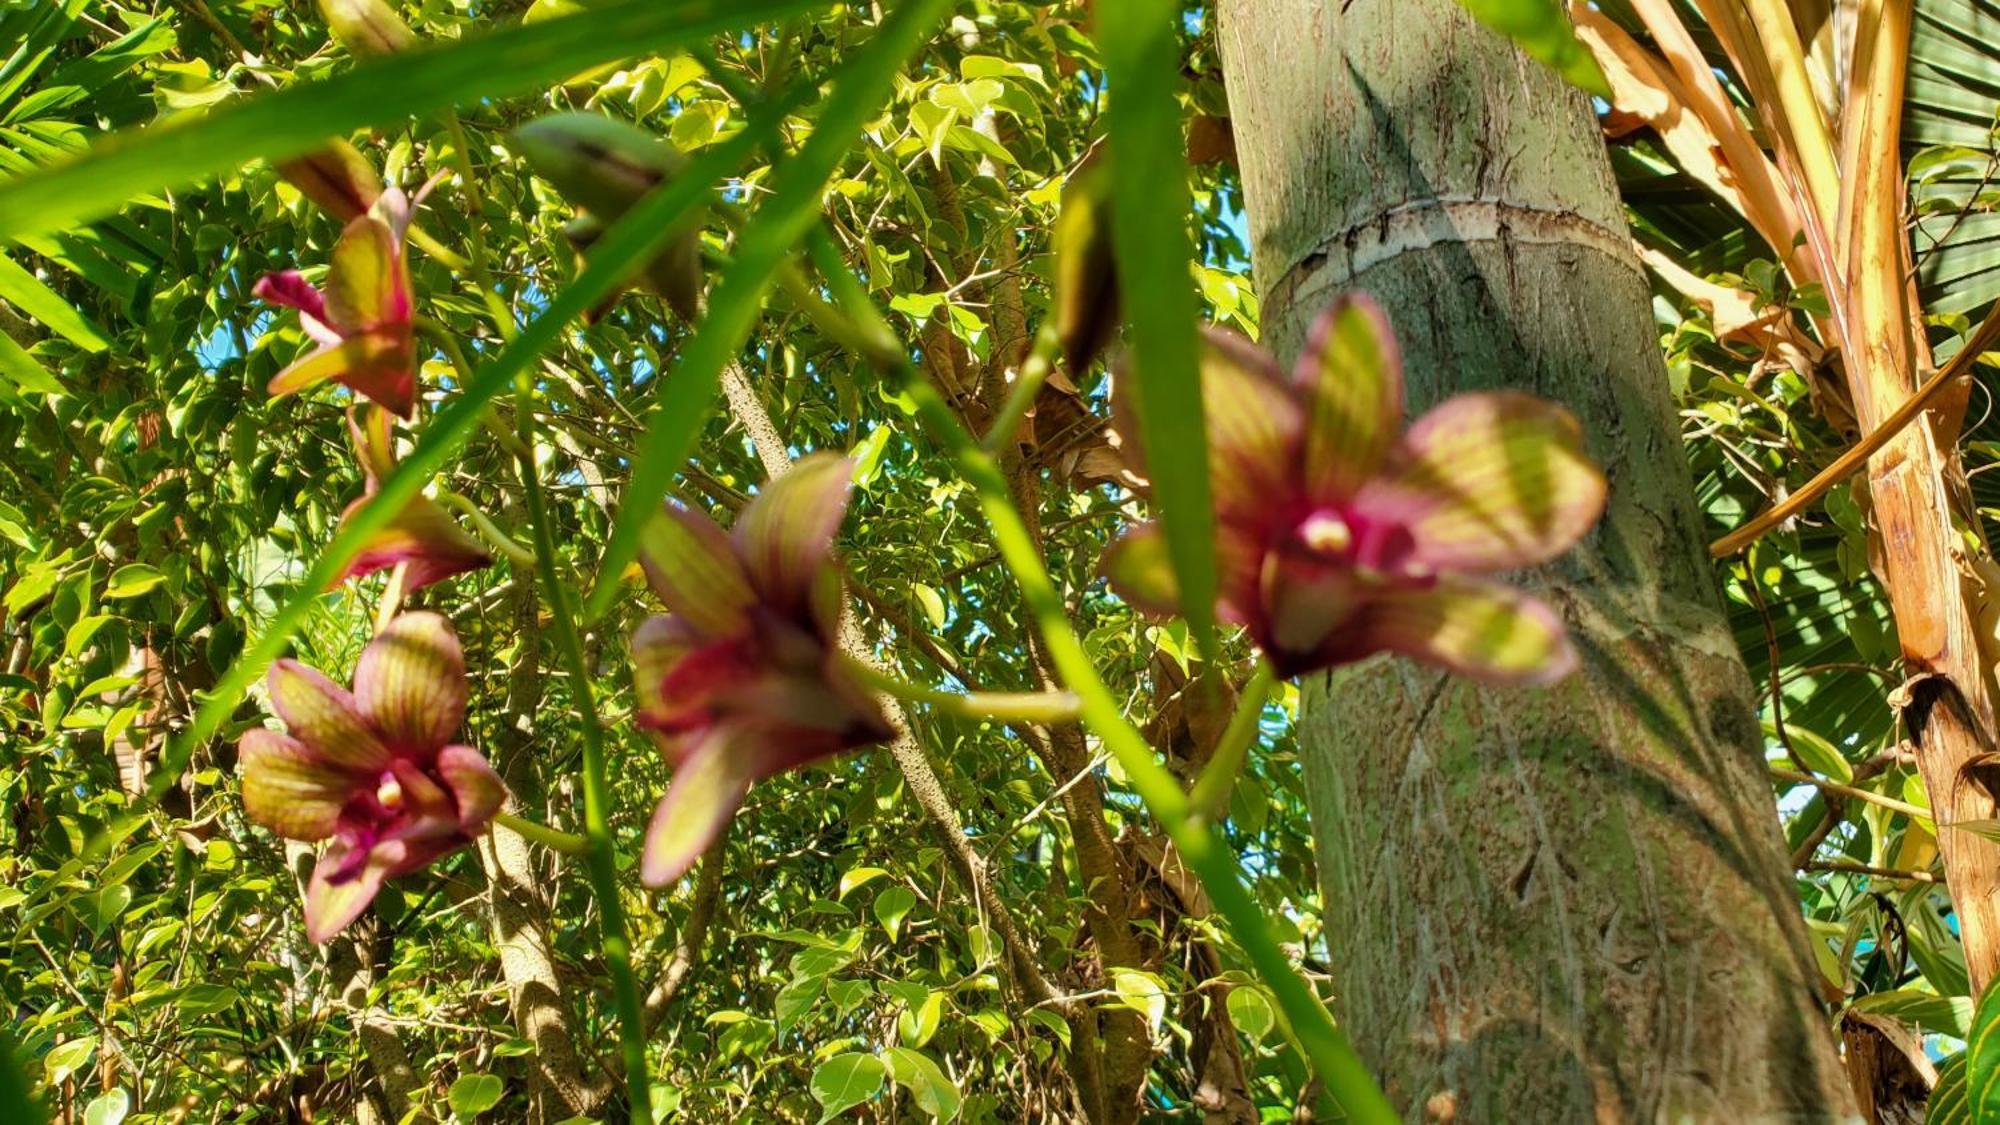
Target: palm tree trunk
1557, 905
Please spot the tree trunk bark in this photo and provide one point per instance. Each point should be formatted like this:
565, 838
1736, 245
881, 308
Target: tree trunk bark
1542, 905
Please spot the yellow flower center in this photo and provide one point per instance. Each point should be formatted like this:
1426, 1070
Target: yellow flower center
389, 793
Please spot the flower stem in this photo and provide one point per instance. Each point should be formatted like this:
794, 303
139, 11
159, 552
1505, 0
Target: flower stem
568, 843
1210, 797
1041, 707
1346, 1077
495, 536
597, 852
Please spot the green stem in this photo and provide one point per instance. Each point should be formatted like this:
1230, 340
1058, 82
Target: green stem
1021, 396
1040, 707
1210, 797
597, 854
490, 421
1346, 1077
495, 536
568, 843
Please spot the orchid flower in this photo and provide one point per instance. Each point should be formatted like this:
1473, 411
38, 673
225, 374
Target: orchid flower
362, 319
421, 535
1338, 537
374, 771
743, 679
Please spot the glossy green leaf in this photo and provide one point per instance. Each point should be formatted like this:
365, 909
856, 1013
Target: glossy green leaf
934, 1093
474, 1094
845, 1081
132, 580
892, 905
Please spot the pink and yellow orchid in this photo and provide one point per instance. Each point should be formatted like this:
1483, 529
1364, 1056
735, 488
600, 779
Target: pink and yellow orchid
422, 535
1337, 538
375, 771
743, 679
362, 318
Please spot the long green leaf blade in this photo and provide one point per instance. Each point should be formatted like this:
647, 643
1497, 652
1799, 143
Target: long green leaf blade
26, 292
299, 118
687, 394
1150, 205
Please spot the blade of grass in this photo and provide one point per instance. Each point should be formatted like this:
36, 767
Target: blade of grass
297, 119
688, 392
632, 241
1149, 192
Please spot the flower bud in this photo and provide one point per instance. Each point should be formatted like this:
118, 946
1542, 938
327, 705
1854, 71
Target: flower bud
598, 162
367, 27
337, 178
605, 166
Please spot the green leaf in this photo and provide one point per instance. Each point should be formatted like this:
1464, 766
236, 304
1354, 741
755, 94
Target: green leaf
23, 371
15, 1103
917, 1023
857, 877
1251, 1011
27, 293
797, 998
1948, 1014
68, 1058
1542, 29
1948, 1104
474, 1094
845, 1081
932, 601
197, 1000
1982, 1058
914, 1071
108, 1109
132, 580
687, 393
1142, 992
298, 119
1150, 206
892, 903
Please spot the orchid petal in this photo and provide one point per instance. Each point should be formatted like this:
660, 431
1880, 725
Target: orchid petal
1483, 630
321, 714
785, 535
1305, 603
708, 787
291, 289
288, 788
659, 644
365, 287
423, 536
694, 568
1351, 374
332, 906
1489, 481
377, 364
476, 789
1254, 423
1140, 572
410, 682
